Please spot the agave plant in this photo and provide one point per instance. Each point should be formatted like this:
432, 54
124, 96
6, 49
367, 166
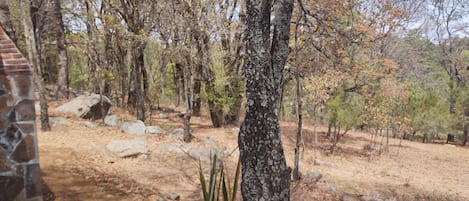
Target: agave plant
225, 188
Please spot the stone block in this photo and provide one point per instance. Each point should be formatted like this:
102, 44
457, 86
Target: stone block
25, 110
6, 83
10, 137
6, 101
33, 181
11, 187
25, 150
3, 162
23, 85
4, 121
26, 128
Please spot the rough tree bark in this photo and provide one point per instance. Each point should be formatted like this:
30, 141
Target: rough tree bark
189, 94
62, 82
265, 175
299, 137
35, 62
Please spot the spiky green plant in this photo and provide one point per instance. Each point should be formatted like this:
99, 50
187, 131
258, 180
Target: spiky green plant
225, 189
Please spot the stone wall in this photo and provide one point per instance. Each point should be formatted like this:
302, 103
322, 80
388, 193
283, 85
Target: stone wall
19, 164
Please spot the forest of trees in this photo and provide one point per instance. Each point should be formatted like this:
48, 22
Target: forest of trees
396, 65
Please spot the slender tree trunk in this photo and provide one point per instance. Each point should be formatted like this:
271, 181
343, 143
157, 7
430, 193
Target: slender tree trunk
92, 52
132, 93
296, 167
296, 174
163, 69
329, 129
62, 82
179, 83
35, 62
188, 80
465, 133
197, 102
265, 175
216, 113
315, 133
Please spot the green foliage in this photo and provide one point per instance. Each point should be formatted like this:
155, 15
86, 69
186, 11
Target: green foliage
79, 75
225, 189
428, 112
170, 87
345, 110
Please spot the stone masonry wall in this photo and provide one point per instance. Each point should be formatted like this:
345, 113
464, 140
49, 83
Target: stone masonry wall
19, 164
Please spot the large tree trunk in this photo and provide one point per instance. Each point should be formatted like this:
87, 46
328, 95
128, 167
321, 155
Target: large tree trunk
92, 52
138, 59
62, 82
33, 58
265, 175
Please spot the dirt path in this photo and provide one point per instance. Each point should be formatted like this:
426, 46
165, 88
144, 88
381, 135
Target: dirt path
68, 183
77, 166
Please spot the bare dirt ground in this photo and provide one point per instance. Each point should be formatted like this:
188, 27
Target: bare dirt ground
76, 166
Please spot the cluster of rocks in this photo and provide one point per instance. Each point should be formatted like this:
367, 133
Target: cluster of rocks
95, 106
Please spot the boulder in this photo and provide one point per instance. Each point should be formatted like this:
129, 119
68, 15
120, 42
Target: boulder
154, 130
177, 132
127, 148
136, 127
327, 164
235, 130
88, 124
87, 106
58, 120
172, 147
172, 195
163, 116
112, 120
313, 175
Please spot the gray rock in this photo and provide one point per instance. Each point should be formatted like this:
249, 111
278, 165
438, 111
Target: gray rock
89, 124
327, 164
156, 198
313, 175
204, 154
376, 198
208, 141
112, 120
350, 197
136, 127
127, 148
167, 110
172, 196
163, 116
154, 130
177, 132
87, 106
333, 190
58, 120
172, 147
181, 114
235, 130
